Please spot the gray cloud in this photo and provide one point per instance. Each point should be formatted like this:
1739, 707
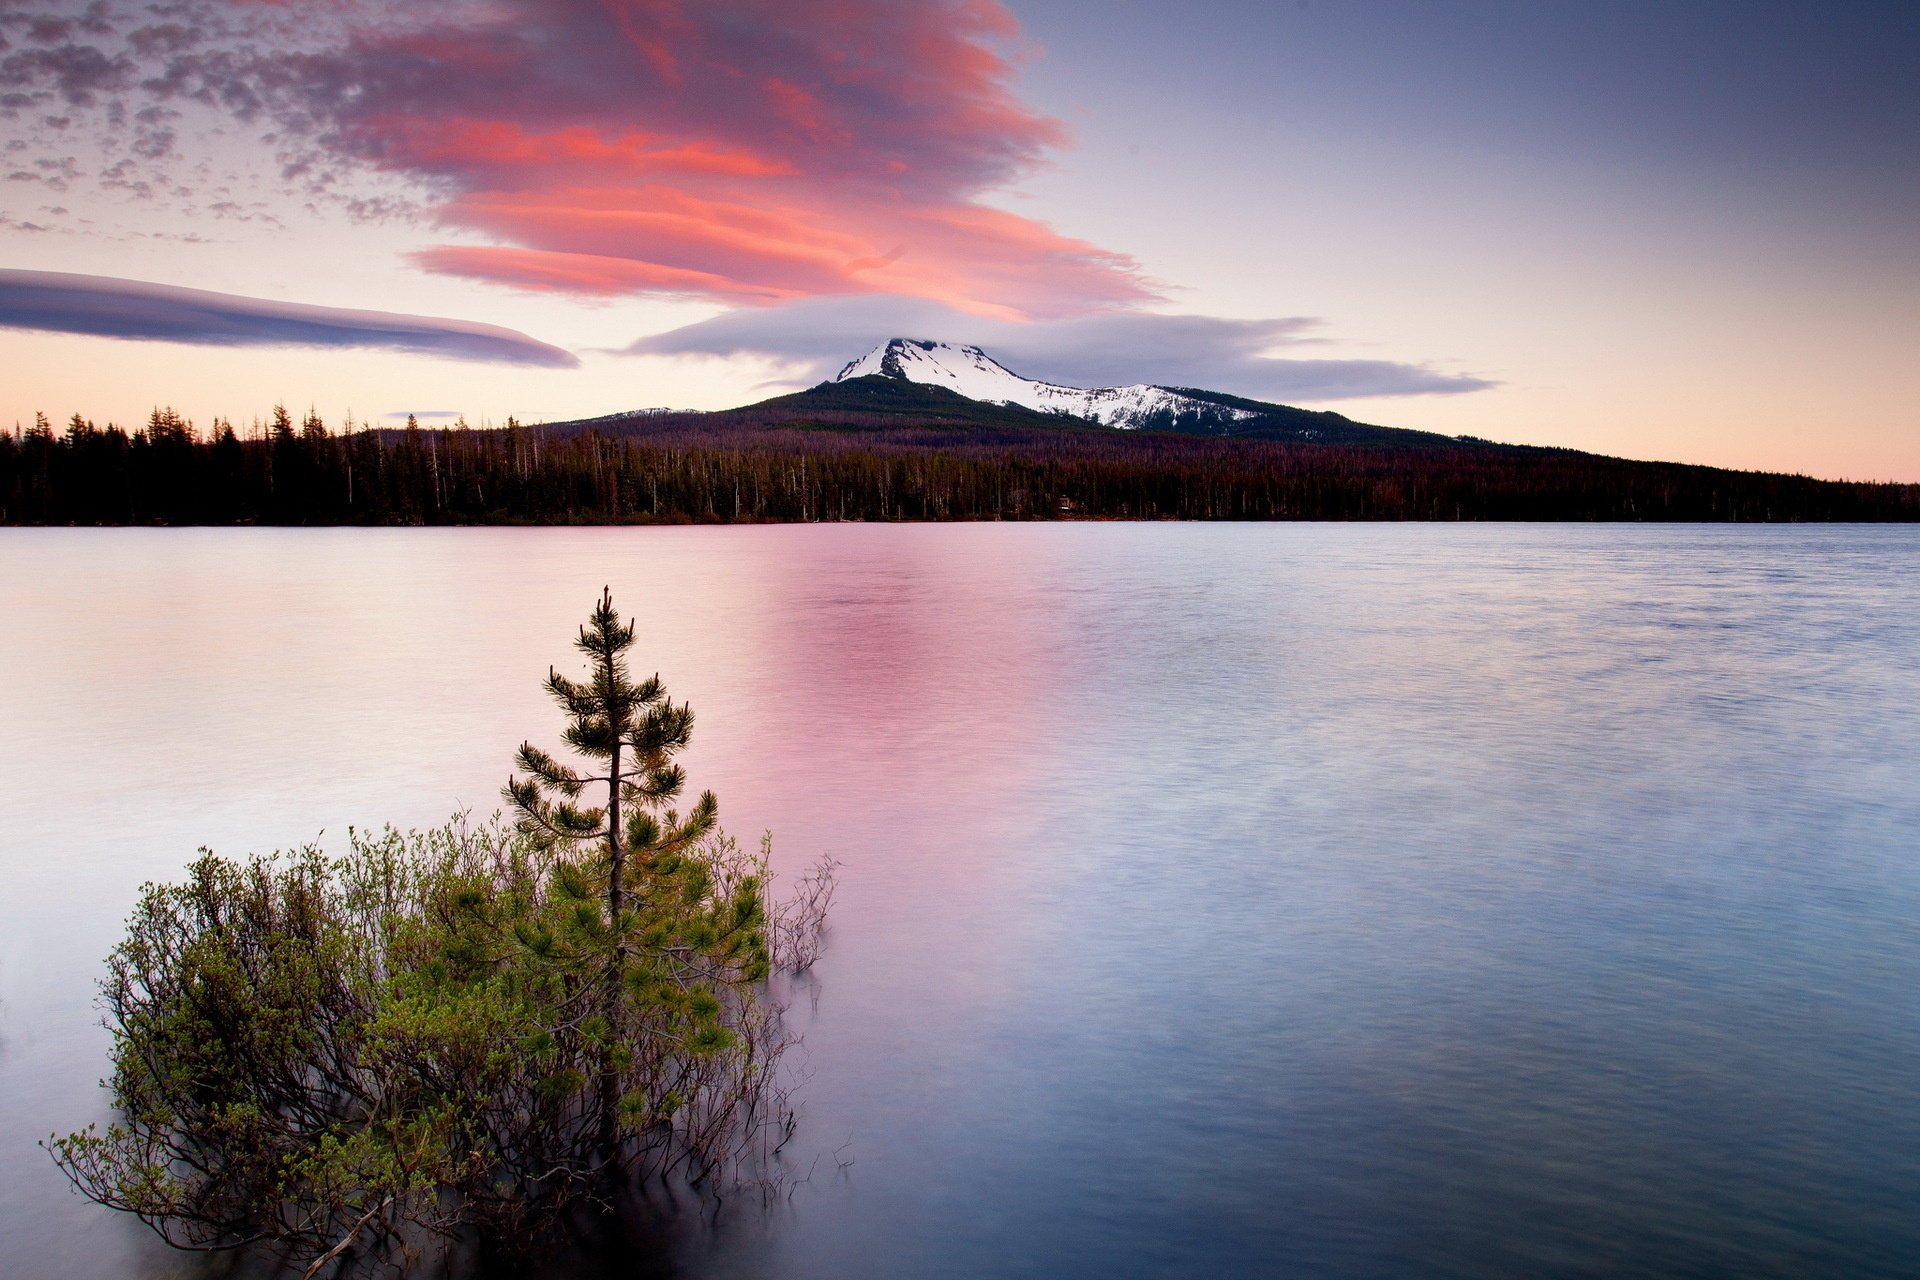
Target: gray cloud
77, 74
1117, 347
114, 308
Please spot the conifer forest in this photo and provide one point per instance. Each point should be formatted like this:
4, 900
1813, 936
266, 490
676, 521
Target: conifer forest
742, 467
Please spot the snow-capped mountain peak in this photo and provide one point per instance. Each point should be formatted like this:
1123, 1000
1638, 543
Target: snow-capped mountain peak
971, 372
939, 363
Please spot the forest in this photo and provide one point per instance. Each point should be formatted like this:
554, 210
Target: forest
823, 464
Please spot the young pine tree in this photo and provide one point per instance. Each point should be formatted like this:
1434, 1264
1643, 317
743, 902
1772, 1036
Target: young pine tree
631, 731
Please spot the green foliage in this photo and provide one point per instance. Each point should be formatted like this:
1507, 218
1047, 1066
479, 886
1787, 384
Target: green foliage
414, 1032
466, 1028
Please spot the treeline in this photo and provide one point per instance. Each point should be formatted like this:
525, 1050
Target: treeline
723, 468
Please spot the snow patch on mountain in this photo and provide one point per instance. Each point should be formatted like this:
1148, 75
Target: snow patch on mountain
973, 373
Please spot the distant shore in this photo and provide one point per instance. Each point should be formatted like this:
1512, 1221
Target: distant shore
718, 470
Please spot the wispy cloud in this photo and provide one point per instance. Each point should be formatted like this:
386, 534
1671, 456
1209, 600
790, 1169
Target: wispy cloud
115, 308
1243, 357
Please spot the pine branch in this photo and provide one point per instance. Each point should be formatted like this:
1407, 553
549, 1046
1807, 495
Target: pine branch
550, 772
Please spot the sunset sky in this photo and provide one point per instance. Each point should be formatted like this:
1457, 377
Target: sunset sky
1668, 230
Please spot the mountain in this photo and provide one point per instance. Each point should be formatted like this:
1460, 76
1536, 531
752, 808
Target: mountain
971, 373
916, 385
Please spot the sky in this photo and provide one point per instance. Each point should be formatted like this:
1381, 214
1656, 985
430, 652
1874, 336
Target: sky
1664, 230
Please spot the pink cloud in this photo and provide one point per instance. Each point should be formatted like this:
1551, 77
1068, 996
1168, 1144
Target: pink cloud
467, 148
743, 150
547, 271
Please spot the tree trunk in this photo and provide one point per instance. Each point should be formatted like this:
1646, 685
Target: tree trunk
616, 967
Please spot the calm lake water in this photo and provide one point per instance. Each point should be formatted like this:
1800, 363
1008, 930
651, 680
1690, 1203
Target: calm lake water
1278, 900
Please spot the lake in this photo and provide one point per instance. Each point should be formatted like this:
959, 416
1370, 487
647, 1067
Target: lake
1254, 900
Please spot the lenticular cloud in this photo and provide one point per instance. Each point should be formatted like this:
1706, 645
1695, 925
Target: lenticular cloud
108, 307
814, 338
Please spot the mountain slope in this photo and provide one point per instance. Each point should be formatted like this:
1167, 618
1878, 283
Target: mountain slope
1266, 421
874, 394
972, 373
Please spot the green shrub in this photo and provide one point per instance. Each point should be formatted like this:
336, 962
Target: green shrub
474, 1028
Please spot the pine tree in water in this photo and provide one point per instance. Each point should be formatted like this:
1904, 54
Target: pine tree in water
338, 1059
632, 730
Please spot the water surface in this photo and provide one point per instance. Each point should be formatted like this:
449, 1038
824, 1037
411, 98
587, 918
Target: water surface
1276, 900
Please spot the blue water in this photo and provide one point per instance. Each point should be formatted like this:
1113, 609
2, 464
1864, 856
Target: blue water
1282, 900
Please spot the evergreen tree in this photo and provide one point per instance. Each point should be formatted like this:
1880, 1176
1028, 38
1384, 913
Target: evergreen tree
633, 731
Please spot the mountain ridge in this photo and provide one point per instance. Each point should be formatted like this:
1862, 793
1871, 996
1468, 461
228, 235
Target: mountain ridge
921, 381
971, 372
